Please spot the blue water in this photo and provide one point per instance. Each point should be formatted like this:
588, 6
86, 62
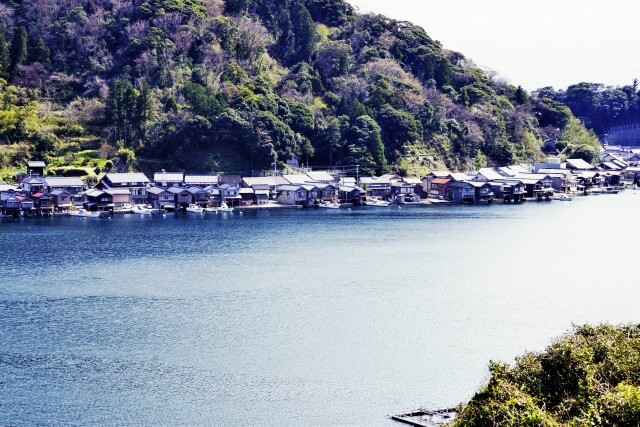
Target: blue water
306, 317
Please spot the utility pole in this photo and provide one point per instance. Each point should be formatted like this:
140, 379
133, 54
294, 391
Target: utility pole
357, 174
275, 180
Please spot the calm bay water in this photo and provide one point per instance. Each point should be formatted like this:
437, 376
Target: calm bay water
312, 317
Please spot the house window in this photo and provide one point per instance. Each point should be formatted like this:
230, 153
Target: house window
300, 194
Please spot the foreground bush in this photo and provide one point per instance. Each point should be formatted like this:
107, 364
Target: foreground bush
590, 377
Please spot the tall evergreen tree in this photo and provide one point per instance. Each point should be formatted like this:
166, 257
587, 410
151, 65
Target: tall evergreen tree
40, 53
304, 33
5, 61
144, 107
18, 53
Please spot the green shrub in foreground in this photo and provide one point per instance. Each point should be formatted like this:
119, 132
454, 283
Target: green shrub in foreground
590, 377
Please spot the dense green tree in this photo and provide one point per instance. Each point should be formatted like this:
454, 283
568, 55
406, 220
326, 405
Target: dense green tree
5, 61
18, 53
366, 134
204, 100
40, 53
580, 142
521, 96
399, 128
273, 130
304, 33
128, 111
171, 105
236, 7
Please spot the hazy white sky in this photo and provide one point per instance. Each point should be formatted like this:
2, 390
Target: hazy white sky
532, 43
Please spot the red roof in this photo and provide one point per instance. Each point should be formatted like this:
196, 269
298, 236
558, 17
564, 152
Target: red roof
441, 181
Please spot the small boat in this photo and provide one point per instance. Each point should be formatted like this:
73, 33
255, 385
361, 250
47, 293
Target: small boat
142, 210
564, 198
224, 208
210, 209
83, 213
123, 209
195, 209
329, 205
611, 190
377, 202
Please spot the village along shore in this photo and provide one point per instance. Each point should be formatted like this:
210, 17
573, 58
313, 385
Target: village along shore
36, 194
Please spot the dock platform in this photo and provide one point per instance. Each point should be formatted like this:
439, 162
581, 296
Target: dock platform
422, 417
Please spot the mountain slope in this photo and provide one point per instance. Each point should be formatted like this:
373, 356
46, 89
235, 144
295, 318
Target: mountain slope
238, 85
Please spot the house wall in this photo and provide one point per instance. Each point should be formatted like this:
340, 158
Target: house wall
462, 194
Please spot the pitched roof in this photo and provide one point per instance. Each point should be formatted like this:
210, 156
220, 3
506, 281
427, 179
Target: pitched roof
489, 173
232, 179
265, 180
579, 164
289, 187
459, 176
519, 168
195, 190
391, 176
117, 191
536, 176
8, 187
36, 164
412, 180
297, 179
122, 178
441, 180
611, 165
201, 179
36, 179
320, 177
506, 171
348, 180
168, 176
552, 172
177, 190
64, 181
94, 192
374, 180
157, 190
402, 184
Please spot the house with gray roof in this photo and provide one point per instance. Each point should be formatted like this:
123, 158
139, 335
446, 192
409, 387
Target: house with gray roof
578, 165
168, 179
61, 200
135, 182
294, 194
487, 175
199, 196
36, 167
160, 198
181, 197
201, 180
33, 184
71, 184
97, 200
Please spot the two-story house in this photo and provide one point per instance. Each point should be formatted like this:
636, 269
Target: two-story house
136, 183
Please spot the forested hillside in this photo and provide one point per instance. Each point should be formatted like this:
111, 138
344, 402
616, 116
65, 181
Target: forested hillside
600, 107
209, 85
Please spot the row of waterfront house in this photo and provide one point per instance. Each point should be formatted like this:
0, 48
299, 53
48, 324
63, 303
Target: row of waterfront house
34, 193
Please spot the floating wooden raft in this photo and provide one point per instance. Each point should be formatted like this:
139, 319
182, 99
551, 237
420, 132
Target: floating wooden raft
426, 417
